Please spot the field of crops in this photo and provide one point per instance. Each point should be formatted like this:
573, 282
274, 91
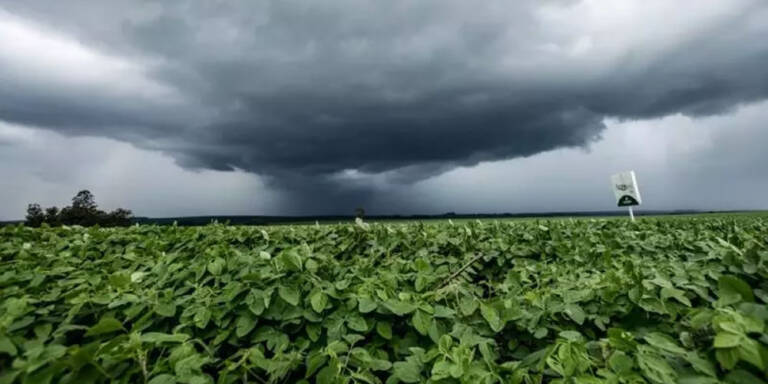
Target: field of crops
584, 301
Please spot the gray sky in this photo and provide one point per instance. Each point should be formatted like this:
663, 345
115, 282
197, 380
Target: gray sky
294, 107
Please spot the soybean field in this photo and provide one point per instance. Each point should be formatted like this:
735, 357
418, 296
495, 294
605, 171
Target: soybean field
541, 301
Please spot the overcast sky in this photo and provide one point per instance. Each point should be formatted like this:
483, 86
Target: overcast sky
297, 107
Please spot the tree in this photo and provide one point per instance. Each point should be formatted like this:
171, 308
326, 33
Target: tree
83, 211
119, 218
359, 212
35, 215
52, 216
77, 216
84, 200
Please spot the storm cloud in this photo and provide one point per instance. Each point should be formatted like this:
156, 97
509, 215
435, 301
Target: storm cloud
311, 95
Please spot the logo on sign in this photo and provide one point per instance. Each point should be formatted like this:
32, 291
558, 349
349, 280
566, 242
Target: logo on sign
627, 201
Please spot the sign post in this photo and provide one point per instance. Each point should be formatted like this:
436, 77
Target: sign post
626, 191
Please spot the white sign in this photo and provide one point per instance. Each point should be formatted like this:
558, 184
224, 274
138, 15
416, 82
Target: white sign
625, 189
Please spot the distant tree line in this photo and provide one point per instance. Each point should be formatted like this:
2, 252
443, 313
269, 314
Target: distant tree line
83, 211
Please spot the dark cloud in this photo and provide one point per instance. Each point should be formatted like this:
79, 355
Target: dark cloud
301, 91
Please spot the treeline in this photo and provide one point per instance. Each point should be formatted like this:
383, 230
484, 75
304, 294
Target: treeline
83, 211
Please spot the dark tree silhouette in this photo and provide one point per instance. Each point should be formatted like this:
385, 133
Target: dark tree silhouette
83, 211
360, 212
84, 200
119, 218
35, 215
52, 216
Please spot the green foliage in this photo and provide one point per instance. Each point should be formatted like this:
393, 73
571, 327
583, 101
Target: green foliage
589, 301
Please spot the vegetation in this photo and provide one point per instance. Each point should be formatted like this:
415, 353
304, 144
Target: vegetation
84, 211
587, 301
